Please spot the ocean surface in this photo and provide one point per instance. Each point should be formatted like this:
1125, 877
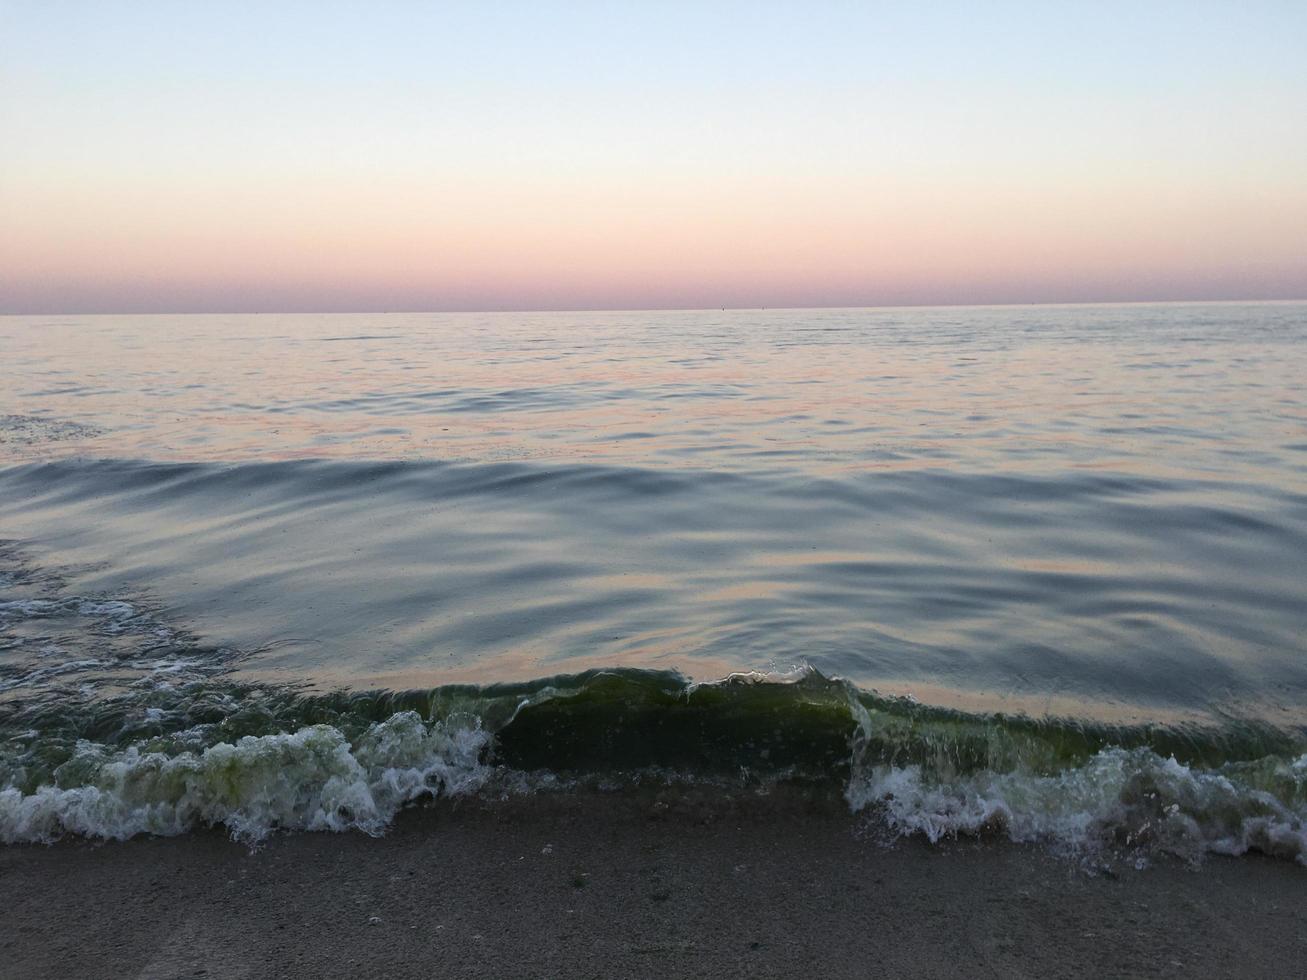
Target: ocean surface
1038, 572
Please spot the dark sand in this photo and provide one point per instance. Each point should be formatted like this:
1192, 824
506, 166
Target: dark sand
614, 886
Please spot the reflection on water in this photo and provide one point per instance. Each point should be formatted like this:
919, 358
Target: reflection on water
1152, 389
1099, 510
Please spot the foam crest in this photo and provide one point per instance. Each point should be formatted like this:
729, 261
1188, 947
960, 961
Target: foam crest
311, 779
1120, 798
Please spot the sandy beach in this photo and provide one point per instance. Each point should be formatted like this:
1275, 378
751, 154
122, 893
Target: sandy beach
635, 884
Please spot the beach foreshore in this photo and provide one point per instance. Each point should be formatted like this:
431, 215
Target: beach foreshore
634, 884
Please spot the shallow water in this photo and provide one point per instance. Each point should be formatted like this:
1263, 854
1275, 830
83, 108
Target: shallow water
1094, 518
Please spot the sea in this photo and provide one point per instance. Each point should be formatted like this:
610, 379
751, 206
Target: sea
1034, 573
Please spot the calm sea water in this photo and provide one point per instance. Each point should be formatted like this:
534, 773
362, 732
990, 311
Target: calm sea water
1084, 521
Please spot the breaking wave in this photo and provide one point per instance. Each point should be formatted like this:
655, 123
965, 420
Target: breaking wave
313, 779
259, 759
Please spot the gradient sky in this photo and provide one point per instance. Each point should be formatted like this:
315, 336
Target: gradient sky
403, 156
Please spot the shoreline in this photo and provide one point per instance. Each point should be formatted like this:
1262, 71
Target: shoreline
636, 883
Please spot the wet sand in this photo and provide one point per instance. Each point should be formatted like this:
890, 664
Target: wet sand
633, 885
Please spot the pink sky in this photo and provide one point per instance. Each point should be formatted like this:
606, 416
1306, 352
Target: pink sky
340, 158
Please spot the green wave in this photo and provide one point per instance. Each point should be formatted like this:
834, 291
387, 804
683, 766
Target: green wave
616, 720
255, 758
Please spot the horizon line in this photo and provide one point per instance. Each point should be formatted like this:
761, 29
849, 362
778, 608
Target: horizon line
662, 309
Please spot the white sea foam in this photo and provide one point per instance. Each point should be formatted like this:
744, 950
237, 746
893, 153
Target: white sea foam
312, 779
1134, 798
793, 674
29, 608
42, 674
112, 609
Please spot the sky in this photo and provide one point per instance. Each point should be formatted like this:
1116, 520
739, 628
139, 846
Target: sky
231, 157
